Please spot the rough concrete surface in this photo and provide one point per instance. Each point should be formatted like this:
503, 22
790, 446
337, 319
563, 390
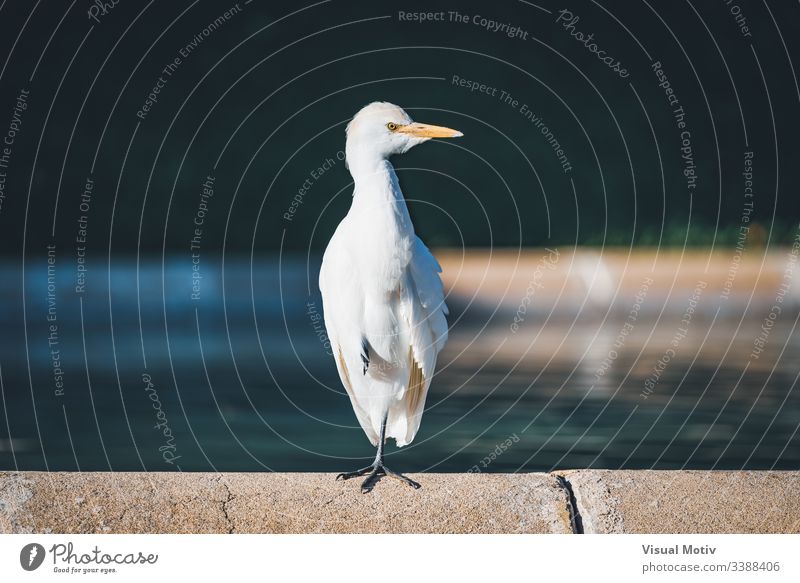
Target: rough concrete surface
610, 501
98, 502
606, 501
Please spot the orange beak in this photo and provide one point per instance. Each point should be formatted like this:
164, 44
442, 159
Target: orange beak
423, 130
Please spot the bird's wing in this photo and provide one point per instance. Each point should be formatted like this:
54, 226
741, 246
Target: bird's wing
423, 311
342, 297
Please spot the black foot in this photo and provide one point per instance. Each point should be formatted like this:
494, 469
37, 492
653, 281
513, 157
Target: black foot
356, 474
376, 472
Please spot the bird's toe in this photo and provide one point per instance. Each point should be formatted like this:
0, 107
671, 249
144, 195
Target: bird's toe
369, 483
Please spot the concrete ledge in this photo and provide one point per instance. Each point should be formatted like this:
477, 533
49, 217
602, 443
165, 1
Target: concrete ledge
279, 503
610, 501
563, 502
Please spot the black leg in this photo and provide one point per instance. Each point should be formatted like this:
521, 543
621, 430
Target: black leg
377, 470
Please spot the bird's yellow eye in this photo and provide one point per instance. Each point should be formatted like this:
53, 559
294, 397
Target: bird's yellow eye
391, 126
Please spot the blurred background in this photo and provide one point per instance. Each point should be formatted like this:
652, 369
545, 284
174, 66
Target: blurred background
618, 231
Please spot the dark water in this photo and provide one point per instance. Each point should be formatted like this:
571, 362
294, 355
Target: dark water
241, 380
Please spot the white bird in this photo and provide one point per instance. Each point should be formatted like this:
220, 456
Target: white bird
382, 296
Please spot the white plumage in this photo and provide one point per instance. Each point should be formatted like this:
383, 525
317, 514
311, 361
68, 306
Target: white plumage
382, 296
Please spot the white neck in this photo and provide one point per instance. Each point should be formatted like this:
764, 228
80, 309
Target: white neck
363, 160
377, 190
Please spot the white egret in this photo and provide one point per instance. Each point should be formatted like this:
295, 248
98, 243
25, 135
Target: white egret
382, 296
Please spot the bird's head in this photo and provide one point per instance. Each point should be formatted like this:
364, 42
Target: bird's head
382, 129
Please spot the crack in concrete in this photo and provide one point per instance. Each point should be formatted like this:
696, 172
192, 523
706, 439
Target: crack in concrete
575, 519
228, 499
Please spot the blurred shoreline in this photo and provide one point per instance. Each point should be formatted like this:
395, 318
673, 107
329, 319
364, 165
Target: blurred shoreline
595, 283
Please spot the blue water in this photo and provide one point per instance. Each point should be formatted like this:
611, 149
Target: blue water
241, 379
